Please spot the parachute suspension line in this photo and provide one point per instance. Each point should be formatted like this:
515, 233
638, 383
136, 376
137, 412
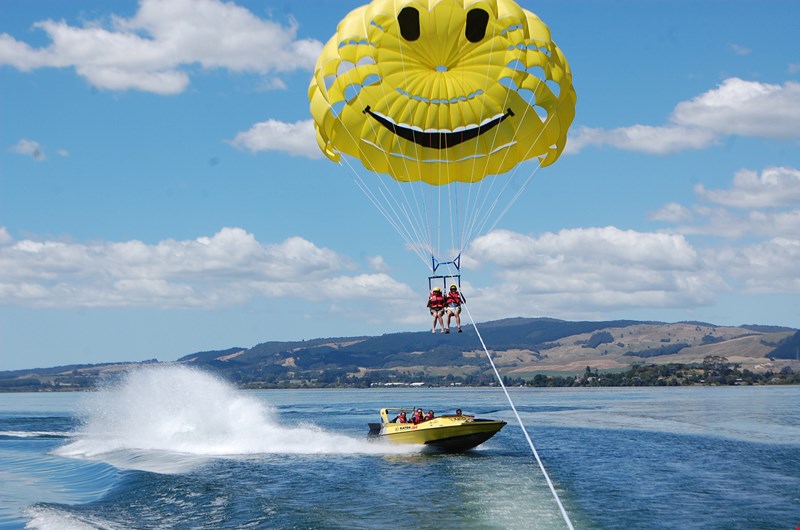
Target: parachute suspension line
479, 226
387, 210
473, 209
521, 424
478, 210
447, 214
515, 197
454, 214
426, 212
452, 202
437, 219
389, 205
487, 216
405, 214
422, 221
415, 228
428, 215
526, 182
400, 199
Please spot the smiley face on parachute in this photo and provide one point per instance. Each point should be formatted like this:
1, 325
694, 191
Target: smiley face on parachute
442, 90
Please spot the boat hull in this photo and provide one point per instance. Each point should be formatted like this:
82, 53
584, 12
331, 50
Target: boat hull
447, 434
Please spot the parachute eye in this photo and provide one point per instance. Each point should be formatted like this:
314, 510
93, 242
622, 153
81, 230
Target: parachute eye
409, 23
477, 19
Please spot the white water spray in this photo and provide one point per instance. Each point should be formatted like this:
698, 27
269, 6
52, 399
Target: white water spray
173, 413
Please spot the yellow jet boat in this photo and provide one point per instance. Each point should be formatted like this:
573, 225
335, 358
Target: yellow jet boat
450, 433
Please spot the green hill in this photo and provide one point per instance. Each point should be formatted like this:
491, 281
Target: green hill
522, 348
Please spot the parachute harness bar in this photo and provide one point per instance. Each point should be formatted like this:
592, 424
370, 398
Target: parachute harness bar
521, 424
456, 276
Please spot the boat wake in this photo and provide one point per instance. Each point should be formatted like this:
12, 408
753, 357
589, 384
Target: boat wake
44, 517
32, 434
171, 419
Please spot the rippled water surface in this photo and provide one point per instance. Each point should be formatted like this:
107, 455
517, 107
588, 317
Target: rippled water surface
175, 448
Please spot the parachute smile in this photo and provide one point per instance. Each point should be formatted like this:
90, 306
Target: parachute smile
438, 138
439, 160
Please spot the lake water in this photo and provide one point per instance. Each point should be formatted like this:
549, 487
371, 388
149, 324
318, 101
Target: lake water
175, 448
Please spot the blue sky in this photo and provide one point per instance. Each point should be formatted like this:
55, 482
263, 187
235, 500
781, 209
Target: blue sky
161, 191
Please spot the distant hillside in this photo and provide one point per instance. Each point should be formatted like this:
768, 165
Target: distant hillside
789, 348
521, 347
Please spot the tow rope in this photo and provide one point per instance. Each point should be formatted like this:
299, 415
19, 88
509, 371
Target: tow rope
522, 426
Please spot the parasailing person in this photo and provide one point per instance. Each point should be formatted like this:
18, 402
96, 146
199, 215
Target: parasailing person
452, 306
436, 304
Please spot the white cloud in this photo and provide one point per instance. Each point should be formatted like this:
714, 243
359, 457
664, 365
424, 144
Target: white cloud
297, 139
740, 50
5, 237
773, 187
230, 267
111, 77
757, 205
642, 138
588, 272
765, 204
588, 244
766, 267
29, 148
736, 107
357, 287
673, 213
722, 222
19, 54
150, 51
745, 108
378, 263
595, 269
273, 83
577, 273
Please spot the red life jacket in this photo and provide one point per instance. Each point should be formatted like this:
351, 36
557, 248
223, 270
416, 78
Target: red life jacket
453, 297
436, 301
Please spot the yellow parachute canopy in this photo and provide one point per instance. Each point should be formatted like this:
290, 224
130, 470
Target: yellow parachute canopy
442, 91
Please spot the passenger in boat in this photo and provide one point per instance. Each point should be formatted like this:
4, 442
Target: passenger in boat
436, 305
401, 418
458, 412
429, 415
452, 304
418, 417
